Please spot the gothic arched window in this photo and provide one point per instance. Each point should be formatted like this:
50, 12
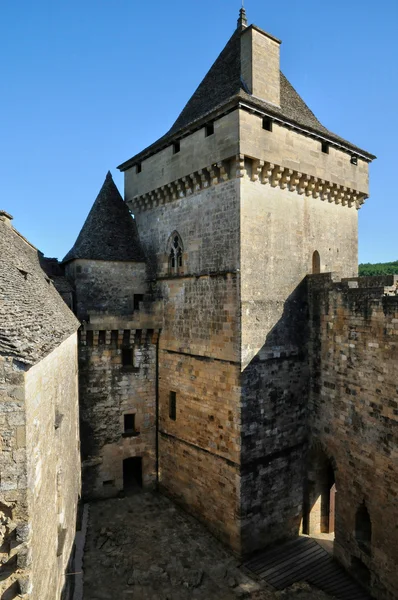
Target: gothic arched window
175, 253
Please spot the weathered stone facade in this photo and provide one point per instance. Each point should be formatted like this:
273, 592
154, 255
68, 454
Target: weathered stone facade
40, 473
354, 415
39, 435
217, 359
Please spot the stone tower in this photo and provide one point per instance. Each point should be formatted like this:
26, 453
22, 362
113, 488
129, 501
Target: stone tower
117, 349
245, 195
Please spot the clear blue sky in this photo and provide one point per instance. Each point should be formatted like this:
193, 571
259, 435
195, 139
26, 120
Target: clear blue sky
85, 84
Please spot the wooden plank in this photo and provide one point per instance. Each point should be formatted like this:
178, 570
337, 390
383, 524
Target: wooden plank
273, 555
300, 573
303, 559
292, 560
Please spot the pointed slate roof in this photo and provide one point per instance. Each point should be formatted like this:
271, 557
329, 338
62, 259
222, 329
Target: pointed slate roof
223, 87
109, 232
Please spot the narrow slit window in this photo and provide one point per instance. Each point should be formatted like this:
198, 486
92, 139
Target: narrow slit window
354, 160
209, 129
173, 406
138, 168
267, 124
176, 147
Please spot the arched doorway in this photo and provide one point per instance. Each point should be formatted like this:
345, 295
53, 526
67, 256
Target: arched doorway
316, 263
320, 501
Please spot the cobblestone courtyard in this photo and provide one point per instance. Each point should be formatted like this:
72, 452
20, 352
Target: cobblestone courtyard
143, 547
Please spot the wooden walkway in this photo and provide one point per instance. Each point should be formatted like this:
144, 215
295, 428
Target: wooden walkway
303, 559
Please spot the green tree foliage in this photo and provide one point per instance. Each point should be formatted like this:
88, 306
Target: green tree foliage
389, 268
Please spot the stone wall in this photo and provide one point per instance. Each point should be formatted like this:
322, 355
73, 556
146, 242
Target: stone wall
117, 363
199, 352
15, 531
105, 286
280, 231
354, 418
285, 147
52, 444
196, 152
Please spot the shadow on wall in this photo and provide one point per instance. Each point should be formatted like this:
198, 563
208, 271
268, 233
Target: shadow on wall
275, 389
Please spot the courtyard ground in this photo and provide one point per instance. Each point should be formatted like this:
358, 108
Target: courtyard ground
143, 547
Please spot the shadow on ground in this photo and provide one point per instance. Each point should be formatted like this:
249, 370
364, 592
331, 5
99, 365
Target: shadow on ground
144, 547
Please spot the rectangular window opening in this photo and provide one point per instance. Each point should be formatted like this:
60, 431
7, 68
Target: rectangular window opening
209, 129
173, 406
136, 301
129, 423
138, 168
127, 357
325, 147
101, 337
114, 337
108, 482
267, 124
176, 147
354, 160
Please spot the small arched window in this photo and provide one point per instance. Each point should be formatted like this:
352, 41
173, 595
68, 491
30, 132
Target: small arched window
363, 528
175, 253
316, 263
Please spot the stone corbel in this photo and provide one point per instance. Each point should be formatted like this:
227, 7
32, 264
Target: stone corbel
303, 184
204, 178
295, 180
214, 174
257, 167
222, 167
187, 185
240, 165
319, 187
276, 176
266, 176
180, 188
172, 191
286, 177
326, 193
195, 178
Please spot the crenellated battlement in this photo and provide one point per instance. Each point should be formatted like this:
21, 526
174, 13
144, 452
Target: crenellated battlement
117, 338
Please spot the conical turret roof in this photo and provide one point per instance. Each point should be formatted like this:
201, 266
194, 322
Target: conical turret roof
109, 232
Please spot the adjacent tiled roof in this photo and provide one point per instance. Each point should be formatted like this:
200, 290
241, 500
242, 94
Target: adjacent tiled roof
223, 85
109, 232
34, 319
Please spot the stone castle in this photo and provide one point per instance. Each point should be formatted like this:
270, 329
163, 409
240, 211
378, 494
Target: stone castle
228, 354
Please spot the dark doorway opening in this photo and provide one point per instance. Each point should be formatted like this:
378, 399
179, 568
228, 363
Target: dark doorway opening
132, 474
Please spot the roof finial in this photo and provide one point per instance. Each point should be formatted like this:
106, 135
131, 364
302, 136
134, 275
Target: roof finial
242, 21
